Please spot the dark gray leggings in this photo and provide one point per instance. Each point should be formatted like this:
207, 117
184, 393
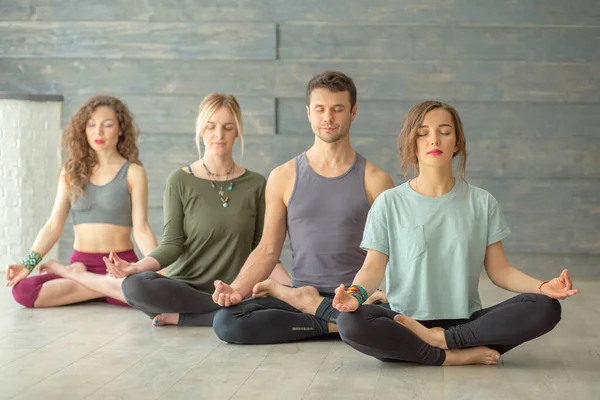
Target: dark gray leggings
155, 294
269, 320
372, 330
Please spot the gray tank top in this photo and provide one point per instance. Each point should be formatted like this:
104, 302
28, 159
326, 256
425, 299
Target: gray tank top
106, 204
326, 218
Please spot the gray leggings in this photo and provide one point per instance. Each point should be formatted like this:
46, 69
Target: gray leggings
372, 330
155, 294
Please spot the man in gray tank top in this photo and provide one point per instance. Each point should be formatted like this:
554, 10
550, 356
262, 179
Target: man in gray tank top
321, 198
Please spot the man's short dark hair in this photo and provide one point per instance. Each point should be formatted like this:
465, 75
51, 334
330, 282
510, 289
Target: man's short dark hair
333, 81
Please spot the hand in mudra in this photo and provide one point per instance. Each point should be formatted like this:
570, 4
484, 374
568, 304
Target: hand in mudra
559, 288
224, 295
343, 301
117, 267
16, 273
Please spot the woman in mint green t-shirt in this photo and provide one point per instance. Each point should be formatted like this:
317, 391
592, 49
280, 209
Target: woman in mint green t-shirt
430, 237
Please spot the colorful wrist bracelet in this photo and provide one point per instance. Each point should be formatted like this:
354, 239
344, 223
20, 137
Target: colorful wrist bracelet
32, 259
358, 297
540, 287
359, 293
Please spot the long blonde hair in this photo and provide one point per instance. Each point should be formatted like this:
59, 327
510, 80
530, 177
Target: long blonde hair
207, 108
407, 140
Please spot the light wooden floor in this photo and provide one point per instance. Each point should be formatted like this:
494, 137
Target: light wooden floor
98, 351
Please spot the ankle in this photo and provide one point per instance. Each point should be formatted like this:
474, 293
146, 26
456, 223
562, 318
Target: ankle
441, 338
332, 328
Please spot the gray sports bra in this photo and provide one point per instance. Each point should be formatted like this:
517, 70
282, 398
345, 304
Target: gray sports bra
106, 204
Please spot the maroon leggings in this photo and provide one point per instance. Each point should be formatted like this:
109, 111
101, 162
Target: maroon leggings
27, 291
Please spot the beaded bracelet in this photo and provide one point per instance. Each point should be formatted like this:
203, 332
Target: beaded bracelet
32, 259
359, 292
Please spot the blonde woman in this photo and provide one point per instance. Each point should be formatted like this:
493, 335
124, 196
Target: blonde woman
431, 236
104, 186
213, 218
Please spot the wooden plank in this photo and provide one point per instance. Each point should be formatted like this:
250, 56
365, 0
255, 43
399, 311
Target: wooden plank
501, 158
82, 76
452, 80
406, 81
434, 12
544, 196
552, 181
558, 158
15, 10
438, 43
547, 266
429, 12
567, 232
505, 158
548, 215
480, 119
155, 11
97, 40
177, 114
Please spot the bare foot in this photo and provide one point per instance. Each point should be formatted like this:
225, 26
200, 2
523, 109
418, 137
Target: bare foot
305, 298
264, 289
377, 297
433, 336
473, 355
64, 271
166, 319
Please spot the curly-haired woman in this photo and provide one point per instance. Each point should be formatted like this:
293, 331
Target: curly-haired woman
105, 187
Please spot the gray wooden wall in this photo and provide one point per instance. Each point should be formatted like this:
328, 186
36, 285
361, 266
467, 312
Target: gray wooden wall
524, 74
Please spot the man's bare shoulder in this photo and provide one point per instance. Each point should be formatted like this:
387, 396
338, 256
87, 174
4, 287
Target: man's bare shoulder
372, 171
283, 173
377, 181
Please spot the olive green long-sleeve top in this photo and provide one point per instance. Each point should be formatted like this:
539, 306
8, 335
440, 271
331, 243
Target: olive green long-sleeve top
202, 240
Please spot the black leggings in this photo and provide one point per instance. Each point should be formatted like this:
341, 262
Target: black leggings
269, 320
155, 294
372, 330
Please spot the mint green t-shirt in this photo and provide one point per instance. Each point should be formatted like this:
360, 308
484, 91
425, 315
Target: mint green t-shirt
436, 247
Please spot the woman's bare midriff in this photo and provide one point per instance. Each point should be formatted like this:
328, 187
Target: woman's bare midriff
102, 238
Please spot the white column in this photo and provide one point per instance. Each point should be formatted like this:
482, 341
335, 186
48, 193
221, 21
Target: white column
30, 156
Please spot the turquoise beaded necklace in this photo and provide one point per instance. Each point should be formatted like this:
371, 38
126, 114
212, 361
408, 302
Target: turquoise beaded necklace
224, 199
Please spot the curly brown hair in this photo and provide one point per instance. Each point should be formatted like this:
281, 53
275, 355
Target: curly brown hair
81, 159
407, 139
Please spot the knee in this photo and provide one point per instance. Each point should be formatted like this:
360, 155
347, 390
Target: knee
135, 287
25, 293
228, 327
350, 325
550, 310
